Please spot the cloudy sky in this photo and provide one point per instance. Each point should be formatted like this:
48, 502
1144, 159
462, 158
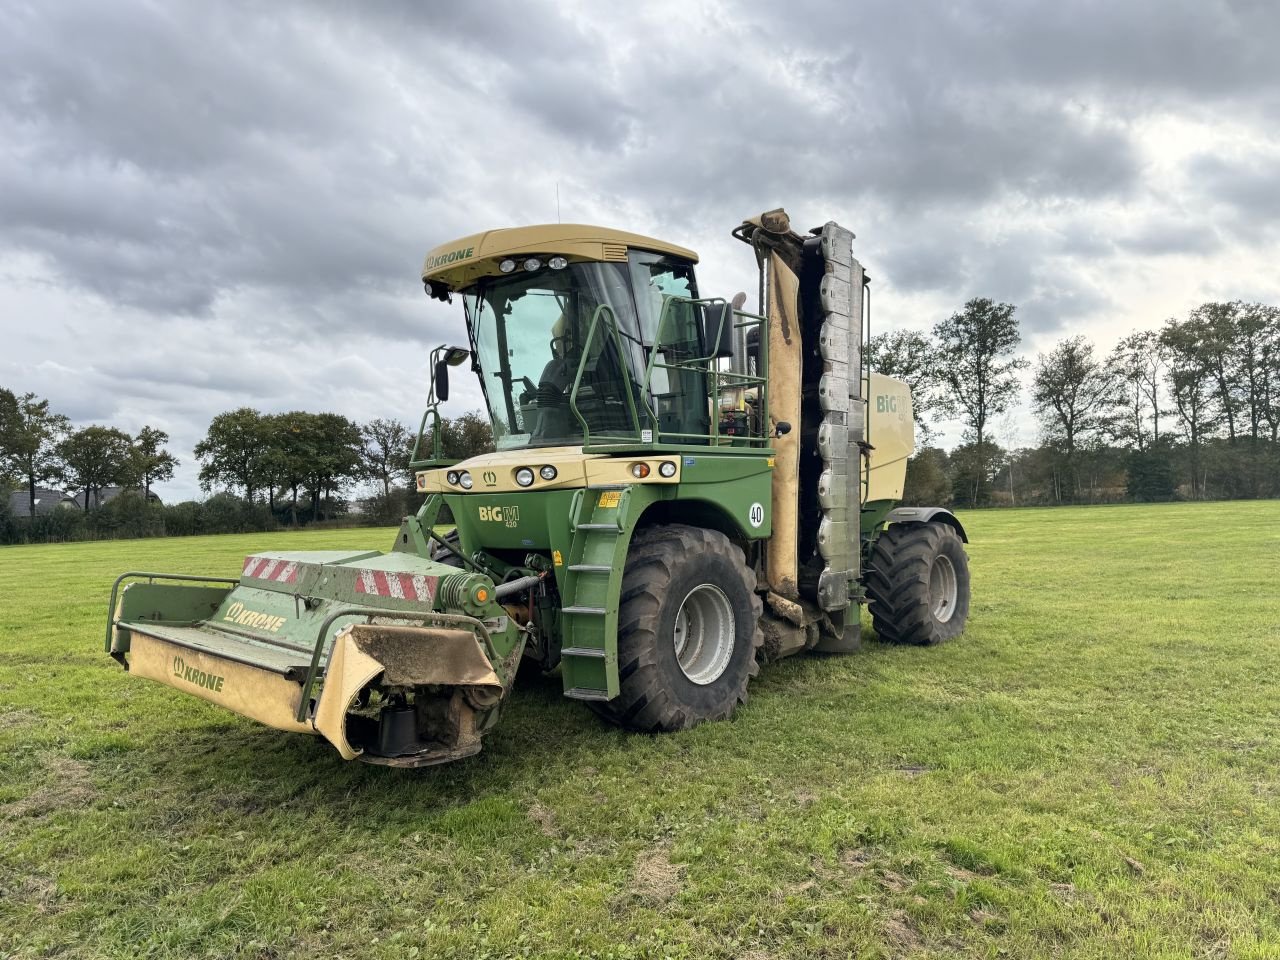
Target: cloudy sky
208, 205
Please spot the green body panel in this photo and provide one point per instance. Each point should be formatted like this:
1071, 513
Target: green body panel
585, 534
873, 514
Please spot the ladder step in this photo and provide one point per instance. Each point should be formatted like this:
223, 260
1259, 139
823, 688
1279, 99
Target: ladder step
590, 568
583, 652
587, 693
608, 486
594, 611
599, 526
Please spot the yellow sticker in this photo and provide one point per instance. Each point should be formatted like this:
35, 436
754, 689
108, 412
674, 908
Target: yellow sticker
556, 558
610, 498
768, 461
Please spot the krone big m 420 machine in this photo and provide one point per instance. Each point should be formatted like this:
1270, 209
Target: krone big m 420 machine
681, 489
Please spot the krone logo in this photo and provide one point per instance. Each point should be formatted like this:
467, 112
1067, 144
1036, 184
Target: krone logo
209, 681
490, 478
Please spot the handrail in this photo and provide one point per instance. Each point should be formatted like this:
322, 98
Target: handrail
622, 365
719, 380
151, 578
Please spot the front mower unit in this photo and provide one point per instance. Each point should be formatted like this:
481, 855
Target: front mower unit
350, 646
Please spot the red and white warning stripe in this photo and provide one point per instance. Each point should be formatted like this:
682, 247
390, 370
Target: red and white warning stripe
265, 568
402, 586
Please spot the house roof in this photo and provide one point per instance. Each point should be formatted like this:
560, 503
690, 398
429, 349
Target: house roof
47, 500
106, 495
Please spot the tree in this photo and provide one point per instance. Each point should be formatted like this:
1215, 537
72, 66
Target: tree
1191, 383
1137, 364
9, 418
1071, 391
972, 470
908, 356
151, 462
384, 451
335, 456
29, 436
978, 371
1271, 380
463, 437
93, 458
1257, 335
926, 481
234, 452
291, 450
1215, 327
469, 435
1150, 474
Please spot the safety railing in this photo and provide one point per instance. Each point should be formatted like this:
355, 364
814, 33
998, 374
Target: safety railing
719, 381
604, 310
150, 578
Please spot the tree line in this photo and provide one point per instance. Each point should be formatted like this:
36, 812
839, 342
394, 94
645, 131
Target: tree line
1189, 410
304, 461
37, 446
262, 470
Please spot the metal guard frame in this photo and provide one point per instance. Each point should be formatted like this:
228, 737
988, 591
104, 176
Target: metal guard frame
717, 380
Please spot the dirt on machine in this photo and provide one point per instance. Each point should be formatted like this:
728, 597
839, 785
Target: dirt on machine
682, 490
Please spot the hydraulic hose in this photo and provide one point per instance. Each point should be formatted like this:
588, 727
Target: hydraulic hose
515, 586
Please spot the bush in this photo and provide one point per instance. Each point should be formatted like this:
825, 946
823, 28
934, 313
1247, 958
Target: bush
183, 519
58, 526
926, 484
1151, 475
128, 515
227, 513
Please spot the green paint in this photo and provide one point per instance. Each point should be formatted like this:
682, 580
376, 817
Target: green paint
452, 256
207, 681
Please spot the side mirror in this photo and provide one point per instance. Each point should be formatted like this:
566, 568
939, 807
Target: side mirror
442, 380
718, 318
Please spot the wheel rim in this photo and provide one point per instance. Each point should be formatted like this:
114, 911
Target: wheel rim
942, 588
704, 634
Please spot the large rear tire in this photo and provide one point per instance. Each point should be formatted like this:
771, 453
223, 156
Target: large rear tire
688, 630
918, 584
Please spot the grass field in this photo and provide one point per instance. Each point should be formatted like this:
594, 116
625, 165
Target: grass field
1093, 770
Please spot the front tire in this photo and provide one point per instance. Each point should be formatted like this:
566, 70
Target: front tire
688, 630
918, 584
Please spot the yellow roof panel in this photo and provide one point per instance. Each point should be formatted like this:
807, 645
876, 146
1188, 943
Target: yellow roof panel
462, 262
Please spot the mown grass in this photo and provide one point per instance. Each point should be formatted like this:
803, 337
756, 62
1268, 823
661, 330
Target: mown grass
1091, 771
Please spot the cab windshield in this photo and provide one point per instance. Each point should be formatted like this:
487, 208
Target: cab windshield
533, 336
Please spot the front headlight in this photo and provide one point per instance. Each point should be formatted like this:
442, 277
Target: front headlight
548, 472
667, 468
524, 477
452, 476
464, 480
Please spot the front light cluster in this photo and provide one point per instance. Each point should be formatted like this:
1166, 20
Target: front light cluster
459, 479
530, 264
640, 470
524, 475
